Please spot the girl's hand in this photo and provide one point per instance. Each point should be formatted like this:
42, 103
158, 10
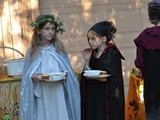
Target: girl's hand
87, 54
102, 79
37, 77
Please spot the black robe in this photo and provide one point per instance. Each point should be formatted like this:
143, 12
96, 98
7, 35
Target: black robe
151, 74
147, 60
104, 100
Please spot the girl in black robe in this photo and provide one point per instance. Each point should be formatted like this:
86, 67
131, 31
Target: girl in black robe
102, 98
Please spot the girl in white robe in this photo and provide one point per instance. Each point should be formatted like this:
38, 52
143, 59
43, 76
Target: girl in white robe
46, 100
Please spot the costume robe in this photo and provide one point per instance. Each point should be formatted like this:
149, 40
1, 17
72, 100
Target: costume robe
104, 100
147, 60
49, 100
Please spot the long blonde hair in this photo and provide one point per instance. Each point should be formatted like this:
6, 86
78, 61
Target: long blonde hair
36, 43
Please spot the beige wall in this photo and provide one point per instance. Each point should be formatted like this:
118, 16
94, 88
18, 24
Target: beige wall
130, 17
15, 30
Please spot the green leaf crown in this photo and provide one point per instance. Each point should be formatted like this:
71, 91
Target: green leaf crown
49, 18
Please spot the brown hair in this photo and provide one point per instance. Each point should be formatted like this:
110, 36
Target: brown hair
94, 33
105, 28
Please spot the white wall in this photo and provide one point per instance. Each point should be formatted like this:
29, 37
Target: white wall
129, 16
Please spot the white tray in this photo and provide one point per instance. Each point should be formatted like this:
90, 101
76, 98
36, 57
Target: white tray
53, 77
56, 79
100, 76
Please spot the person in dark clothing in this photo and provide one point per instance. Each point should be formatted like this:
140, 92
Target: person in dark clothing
102, 98
147, 60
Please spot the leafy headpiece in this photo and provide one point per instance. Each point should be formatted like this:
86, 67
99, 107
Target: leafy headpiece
49, 18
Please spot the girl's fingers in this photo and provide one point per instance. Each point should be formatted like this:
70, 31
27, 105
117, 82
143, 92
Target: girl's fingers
37, 77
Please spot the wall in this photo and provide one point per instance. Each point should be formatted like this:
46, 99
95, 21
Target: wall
15, 30
129, 16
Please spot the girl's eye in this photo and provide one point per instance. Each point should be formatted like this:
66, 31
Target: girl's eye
93, 39
46, 28
49, 28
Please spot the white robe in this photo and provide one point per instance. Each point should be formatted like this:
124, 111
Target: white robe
49, 100
49, 96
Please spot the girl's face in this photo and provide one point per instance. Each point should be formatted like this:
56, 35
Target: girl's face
95, 41
47, 32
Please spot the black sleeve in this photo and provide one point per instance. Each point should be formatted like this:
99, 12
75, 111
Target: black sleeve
110, 62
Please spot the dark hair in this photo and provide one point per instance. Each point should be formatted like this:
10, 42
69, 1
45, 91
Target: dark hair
105, 28
154, 11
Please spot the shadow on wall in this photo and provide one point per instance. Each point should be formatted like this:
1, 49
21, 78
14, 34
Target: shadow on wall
15, 31
80, 15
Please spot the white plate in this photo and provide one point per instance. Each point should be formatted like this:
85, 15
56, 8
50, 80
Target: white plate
56, 77
92, 76
92, 72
